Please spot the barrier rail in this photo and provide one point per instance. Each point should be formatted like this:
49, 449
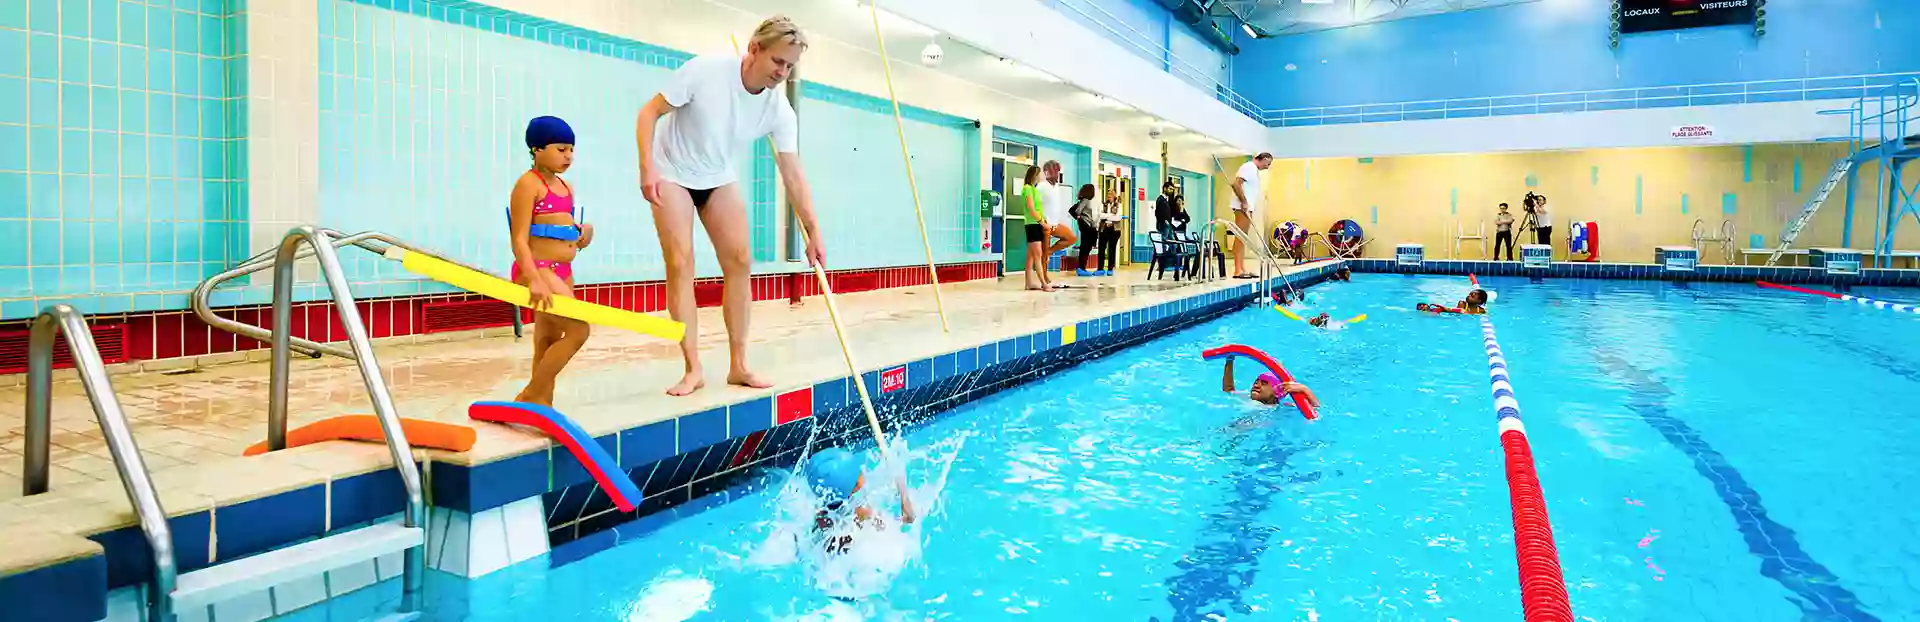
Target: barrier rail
1543, 589
1170, 62
1752, 92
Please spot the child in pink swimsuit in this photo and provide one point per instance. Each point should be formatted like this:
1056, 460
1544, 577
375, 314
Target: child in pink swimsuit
545, 238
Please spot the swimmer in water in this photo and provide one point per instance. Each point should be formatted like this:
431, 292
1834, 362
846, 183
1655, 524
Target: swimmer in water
1268, 389
1321, 321
1476, 302
835, 474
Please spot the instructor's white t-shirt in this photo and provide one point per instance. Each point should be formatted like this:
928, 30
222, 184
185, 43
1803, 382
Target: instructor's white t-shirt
1251, 173
715, 121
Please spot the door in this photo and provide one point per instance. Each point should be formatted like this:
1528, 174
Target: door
1015, 224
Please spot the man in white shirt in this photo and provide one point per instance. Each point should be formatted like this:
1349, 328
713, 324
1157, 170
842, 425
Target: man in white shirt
714, 108
1059, 198
1248, 195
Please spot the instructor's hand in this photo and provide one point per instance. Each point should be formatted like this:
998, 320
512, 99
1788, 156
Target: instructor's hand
650, 181
816, 251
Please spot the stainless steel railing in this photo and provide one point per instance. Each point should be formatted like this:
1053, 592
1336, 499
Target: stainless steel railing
373, 241
64, 320
1268, 265
322, 245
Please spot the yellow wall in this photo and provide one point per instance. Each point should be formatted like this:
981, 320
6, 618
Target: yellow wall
1415, 196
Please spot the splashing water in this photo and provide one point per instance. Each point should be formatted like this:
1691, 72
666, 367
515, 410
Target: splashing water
880, 548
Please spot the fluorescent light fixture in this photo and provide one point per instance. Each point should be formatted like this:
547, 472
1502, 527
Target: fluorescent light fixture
1029, 71
1249, 28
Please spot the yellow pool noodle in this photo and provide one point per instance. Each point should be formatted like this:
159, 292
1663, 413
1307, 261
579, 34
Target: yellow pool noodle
505, 291
1356, 319
1285, 312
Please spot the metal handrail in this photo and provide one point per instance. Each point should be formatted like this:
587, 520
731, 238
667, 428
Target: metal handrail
374, 241
1575, 101
63, 319
322, 245
1268, 265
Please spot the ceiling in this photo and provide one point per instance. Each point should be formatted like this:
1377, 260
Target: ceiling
849, 23
1287, 17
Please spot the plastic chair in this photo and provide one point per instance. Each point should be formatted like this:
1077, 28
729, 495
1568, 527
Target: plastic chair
1166, 255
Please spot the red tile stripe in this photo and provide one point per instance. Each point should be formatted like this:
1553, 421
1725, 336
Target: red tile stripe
172, 334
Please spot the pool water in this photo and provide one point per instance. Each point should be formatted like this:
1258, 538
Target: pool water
1708, 452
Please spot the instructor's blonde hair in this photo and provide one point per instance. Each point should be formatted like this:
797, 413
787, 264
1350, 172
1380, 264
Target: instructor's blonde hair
776, 30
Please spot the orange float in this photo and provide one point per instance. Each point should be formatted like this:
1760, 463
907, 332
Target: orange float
420, 433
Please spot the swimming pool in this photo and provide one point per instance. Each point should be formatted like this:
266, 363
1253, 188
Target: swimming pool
1711, 452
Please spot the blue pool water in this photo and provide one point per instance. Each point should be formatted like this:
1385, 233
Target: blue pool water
1708, 452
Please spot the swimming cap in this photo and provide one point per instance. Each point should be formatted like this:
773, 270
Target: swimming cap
543, 131
834, 471
1271, 379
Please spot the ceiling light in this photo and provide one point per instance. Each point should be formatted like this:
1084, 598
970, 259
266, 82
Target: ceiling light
1029, 71
1250, 31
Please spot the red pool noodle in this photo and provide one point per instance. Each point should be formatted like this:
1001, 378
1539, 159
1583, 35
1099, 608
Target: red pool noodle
602, 467
1235, 349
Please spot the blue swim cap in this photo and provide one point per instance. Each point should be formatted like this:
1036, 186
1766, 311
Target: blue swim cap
834, 471
543, 131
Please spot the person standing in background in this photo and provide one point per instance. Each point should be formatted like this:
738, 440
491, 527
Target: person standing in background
1247, 198
1059, 197
1111, 213
1163, 207
1542, 219
1503, 232
1087, 217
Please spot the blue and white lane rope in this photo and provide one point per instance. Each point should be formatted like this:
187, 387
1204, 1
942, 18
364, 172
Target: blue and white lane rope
1505, 406
1881, 304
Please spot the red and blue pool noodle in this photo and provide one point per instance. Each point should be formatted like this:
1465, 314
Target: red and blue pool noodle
564, 431
1234, 349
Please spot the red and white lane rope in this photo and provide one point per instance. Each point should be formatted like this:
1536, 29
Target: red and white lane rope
1543, 589
1860, 300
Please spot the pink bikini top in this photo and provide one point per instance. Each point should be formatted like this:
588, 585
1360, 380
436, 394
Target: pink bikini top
553, 203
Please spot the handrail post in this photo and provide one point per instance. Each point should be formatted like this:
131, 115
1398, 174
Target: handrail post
343, 302
49, 324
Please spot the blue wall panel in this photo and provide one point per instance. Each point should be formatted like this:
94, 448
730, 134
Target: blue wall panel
1561, 45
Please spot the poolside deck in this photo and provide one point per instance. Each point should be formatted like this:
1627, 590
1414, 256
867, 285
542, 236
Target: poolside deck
192, 427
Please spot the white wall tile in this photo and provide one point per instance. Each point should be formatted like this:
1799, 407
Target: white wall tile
299, 593
526, 530
349, 578
246, 608
487, 543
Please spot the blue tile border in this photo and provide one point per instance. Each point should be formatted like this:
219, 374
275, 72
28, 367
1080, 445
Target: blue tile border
61, 592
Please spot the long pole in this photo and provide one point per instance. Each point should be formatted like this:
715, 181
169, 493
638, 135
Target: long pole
840, 330
899, 125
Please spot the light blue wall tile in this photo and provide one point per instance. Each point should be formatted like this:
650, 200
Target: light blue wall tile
105, 20
13, 108
13, 197
13, 50
73, 18
133, 68
133, 152
113, 304
44, 56
13, 254
106, 245
13, 14
159, 71
186, 32
186, 74
73, 59
160, 241
160, 115
106, 153
43, 196
73, 151
105, 108
13, 156
106, 64
13, 282
133, 245
159, 27
75, 192
76, 243
74, 102
133, 24
43, 102
105, 201
43, 239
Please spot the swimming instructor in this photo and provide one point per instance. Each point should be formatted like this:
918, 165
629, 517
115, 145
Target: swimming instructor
715, 107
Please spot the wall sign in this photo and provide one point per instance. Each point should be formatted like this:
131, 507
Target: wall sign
1692, 132
893, 379
1652, 15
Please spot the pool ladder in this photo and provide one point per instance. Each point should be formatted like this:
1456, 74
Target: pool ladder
1269, 266
170, 591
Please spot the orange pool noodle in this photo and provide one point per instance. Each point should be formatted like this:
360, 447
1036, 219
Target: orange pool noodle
420, 433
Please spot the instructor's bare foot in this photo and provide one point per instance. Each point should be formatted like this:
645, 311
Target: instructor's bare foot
693, 381
526, 397
744, 378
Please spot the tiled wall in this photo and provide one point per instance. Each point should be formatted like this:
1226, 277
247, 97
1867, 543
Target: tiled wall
120, 168
859, 182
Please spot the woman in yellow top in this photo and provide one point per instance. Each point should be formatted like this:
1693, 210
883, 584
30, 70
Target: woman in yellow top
1031, 199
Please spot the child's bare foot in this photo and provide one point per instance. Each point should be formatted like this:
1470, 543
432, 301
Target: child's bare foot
743, 378
529, 397
693, 381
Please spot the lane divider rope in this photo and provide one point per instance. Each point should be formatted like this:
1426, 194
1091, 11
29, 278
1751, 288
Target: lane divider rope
1543, 588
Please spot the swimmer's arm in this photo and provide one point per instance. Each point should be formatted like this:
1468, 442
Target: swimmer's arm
907, 513
520, 222
1226, 377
